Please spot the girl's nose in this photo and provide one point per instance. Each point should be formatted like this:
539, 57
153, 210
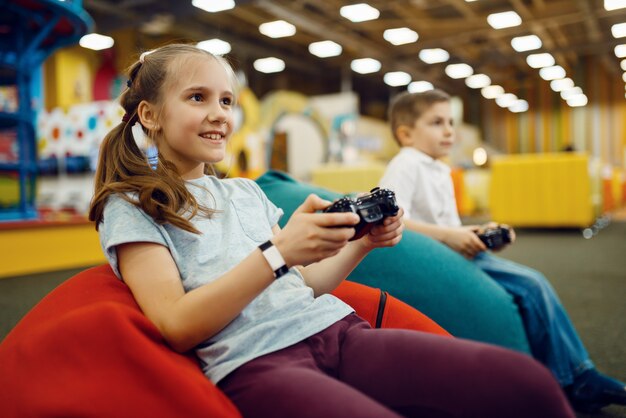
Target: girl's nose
217, 114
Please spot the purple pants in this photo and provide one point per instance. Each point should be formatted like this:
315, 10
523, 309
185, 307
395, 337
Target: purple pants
352, 370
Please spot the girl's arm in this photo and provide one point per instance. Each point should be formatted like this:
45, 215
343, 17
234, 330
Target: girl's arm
186, 319
326, 275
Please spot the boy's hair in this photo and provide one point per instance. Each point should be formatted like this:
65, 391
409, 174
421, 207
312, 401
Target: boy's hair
407, 107
122, 166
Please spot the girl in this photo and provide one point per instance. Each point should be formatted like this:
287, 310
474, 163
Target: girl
208, 264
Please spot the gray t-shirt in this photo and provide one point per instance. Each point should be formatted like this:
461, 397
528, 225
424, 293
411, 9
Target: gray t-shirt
283, 314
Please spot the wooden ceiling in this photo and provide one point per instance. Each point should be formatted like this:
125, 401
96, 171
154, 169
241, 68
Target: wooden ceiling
571, 30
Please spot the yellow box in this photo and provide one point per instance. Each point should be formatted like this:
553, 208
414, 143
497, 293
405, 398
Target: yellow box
541, 190
348, 178
39, 248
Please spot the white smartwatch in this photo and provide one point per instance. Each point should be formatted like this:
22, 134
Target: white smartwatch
274, 259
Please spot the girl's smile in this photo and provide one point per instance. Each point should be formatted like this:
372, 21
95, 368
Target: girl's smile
197, 121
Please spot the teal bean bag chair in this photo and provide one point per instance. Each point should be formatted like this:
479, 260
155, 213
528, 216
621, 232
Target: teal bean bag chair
425, 274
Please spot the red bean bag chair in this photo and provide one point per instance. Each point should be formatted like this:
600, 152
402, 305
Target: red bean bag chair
382, 310
87, 350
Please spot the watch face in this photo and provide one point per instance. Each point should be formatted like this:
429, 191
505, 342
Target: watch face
274, 258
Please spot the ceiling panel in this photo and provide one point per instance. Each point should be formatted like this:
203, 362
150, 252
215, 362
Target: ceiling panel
571, 30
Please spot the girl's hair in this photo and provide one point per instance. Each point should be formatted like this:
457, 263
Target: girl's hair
407, 107
123, 167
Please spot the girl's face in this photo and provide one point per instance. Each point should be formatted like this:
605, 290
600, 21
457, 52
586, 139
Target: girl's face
197, 116
433, 132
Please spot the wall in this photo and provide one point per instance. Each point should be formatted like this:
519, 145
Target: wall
550, 124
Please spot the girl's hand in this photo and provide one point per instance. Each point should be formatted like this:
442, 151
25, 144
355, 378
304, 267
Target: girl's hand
309, 237
388, 234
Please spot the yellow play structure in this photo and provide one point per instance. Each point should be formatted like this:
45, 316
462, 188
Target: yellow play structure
543, 190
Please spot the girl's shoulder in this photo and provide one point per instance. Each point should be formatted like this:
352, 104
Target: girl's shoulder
237, 185
211, 188
121, 204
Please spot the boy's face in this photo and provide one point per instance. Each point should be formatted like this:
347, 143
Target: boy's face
432, 133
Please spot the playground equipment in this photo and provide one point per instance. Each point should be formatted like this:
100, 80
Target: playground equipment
35, 29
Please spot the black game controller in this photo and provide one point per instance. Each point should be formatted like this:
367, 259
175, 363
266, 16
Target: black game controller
495, 238
372, 209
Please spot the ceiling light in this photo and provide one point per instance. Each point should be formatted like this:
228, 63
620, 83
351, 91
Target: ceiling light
479, 156
519, 106
420, 86
215, 46
96, 41
359, 12
400, 36
434, 55
552, 73
365, 65
614, 4
478, 81
526, 43
397, 78
277, 29
269, 65
540, 60
567, 93
158, 24
624, 77
325, 49
620, 51
491, 92
577, 100
619, 30
504, 20
562, 84
213, 6
623, 64
506, 100
459, 70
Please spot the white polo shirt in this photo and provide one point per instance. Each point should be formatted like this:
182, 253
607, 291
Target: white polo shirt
423, 187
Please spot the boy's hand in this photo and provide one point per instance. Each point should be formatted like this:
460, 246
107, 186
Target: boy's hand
464, 240
387, 234
309, 237
493, 225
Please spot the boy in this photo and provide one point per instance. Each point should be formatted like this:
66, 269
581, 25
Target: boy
422, 125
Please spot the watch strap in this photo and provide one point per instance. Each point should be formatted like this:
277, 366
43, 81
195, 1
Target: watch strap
274, 258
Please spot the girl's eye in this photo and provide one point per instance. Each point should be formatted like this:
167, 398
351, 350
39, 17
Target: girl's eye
196, 97
227, 101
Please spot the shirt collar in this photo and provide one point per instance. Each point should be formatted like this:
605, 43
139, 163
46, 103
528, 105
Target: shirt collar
427, 159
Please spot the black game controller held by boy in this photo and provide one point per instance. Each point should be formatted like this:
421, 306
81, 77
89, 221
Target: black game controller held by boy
495, 238
372, 209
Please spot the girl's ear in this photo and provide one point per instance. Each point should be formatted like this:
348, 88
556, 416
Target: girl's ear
147, 116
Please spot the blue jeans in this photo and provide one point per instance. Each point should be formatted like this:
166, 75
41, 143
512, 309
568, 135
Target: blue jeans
552, 337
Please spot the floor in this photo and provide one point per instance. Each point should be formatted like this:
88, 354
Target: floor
588, 274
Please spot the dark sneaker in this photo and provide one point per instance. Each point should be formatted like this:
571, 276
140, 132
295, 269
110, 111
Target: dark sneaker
592, 391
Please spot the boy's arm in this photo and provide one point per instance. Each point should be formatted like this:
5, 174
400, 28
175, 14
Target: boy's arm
462, 239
